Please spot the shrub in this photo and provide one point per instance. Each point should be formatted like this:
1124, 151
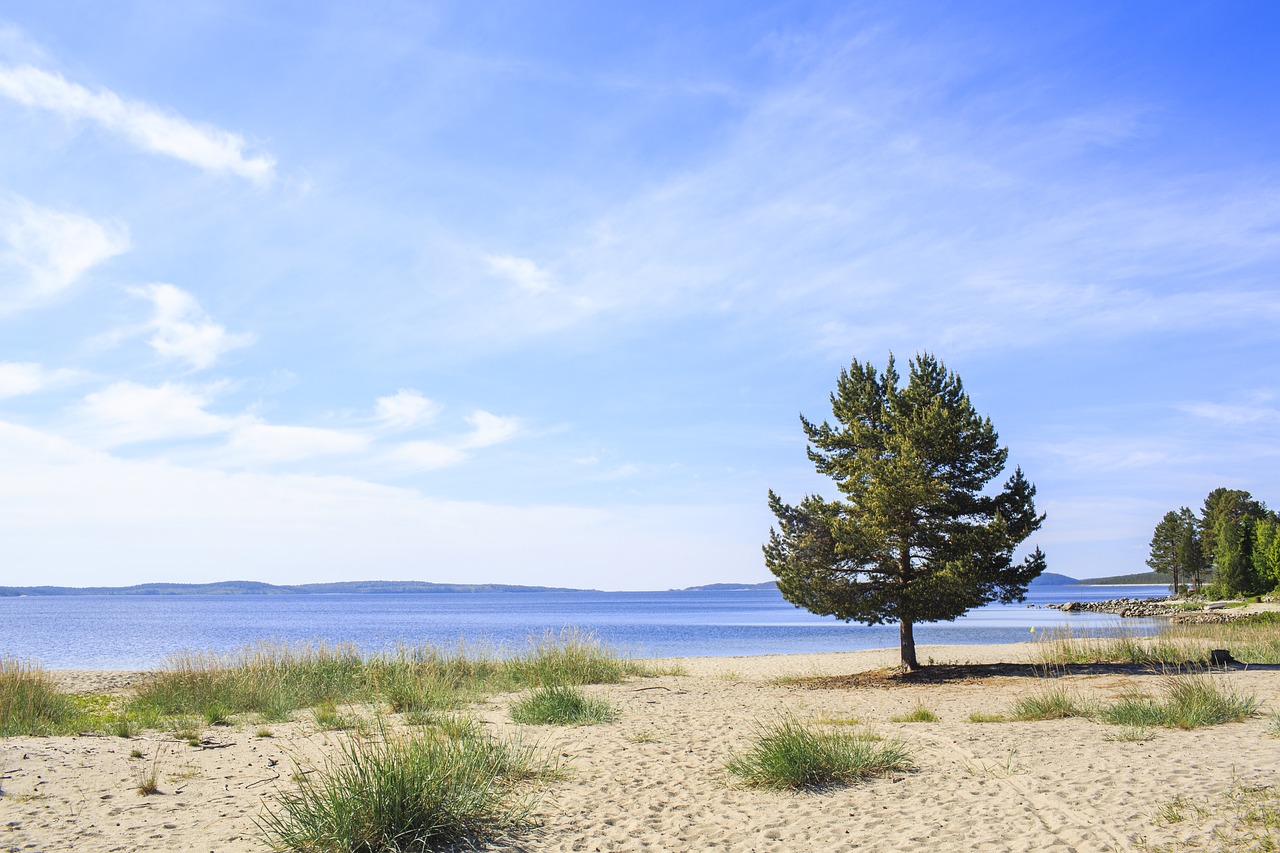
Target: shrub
788, 754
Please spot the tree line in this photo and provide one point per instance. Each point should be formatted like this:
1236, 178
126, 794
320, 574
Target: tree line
1231, 548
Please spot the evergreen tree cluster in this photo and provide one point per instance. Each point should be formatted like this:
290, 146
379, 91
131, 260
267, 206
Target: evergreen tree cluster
1235, 541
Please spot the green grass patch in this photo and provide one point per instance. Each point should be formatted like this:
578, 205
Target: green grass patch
409, 792
980, 717
1254, 638
561, 706
1190, 702
919, 714
788, 754
1055, 703
31, 704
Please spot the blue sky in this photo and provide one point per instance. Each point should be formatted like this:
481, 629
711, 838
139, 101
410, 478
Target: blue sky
534, 294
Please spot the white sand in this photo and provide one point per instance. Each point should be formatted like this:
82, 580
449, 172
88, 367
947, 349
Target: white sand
653, 780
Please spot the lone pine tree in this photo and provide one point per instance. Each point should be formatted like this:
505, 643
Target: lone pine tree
915, 537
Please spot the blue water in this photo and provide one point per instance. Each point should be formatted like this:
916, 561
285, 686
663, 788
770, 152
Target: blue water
139, 632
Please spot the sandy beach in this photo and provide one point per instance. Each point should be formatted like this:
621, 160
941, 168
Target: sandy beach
654, 779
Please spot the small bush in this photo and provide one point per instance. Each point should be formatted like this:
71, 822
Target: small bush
1052, 704
788, 755
407, 792
1190, 701
561, 706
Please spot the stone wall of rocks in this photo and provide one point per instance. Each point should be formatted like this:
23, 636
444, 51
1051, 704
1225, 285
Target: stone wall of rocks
1133, 607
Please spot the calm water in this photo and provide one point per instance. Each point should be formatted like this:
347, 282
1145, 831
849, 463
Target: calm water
138, 632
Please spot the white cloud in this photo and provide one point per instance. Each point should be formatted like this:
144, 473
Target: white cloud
406, 408
144, 125
84, 516
18, 378
44, 252
488, 429
1233, 415
270, 443
128, 413
427, 455
183, 331
522, 272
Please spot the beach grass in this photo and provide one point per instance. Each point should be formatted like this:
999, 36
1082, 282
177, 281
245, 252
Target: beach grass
1254, 638
1190, 701
786, 754
30, 702
561, 705
1053, 703
411, 791
919, 714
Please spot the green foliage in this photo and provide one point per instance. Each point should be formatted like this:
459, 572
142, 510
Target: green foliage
561, 706
917, 537
1266, 553
788, 755
421, 790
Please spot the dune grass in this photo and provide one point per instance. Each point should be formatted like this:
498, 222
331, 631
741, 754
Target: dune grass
1053, 703
560, 705
1251, 639
271, 682
414, 791
1190, 701
30, 703
919, 714
787, 754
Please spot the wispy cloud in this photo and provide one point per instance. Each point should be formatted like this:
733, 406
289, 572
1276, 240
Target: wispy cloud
19, 378
489, 429
44, 252
273, 443
130, 413
146, 126
405, 409
522, 272
181, 329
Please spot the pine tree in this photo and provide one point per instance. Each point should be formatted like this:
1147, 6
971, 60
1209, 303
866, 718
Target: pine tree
914, 539
1165, 544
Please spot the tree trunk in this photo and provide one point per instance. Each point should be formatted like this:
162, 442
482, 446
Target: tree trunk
906, 632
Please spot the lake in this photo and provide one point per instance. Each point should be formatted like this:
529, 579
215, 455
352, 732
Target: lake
139, 632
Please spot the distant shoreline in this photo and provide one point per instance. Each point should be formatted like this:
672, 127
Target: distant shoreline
230, 588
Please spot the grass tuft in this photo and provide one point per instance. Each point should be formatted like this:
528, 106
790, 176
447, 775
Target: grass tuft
1052, 704
408, 792
561, 706
980, 717
919, 714
1190, 701
787, 754
31, 704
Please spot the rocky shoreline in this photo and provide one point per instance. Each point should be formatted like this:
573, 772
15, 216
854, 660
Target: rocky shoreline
1211, 613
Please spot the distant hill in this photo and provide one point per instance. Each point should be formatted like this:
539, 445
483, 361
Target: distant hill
1152, 578
259, 588
729, 587
1053, 579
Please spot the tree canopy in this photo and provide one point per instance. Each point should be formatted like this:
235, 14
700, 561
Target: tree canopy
1236, 538
916, 537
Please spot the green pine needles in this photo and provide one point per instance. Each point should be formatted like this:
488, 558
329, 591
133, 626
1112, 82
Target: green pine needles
917, 537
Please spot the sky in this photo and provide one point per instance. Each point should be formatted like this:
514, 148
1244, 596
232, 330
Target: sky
536, 293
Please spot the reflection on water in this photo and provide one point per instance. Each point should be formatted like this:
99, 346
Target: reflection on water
136, 632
